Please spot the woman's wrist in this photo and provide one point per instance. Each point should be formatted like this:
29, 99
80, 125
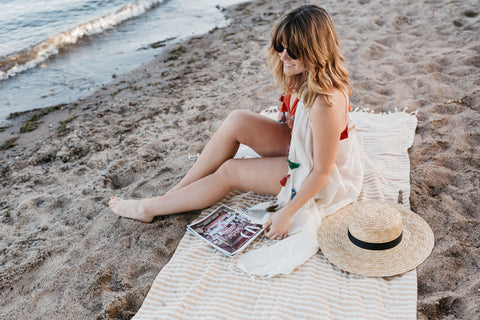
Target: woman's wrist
289, 209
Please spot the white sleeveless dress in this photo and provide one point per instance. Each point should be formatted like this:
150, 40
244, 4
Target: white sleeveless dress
342, 188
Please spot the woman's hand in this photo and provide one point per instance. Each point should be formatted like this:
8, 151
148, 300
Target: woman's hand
276, 228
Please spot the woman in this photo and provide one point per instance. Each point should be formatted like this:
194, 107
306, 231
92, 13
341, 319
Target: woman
307, 158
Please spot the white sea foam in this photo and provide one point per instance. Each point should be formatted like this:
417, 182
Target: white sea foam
30, 58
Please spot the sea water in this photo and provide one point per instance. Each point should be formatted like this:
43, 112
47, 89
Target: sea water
57, 51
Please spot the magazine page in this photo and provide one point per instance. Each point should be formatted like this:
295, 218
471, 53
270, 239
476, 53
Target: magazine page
227, 230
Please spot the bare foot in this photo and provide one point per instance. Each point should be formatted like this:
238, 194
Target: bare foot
131, 209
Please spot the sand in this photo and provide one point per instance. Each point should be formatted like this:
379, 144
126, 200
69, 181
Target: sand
64, 255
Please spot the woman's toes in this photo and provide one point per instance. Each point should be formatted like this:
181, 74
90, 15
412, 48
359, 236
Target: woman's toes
129, 209
113, 201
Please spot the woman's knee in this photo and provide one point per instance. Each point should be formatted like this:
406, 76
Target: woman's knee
237, 118
227, 172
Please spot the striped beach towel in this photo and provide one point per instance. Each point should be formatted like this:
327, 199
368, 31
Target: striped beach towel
201, 283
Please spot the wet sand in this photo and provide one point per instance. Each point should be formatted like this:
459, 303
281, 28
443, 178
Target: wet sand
64, 255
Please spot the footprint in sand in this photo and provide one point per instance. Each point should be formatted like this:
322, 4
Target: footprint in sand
470, 14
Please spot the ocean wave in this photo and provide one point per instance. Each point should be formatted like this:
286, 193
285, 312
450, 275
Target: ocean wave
15, 63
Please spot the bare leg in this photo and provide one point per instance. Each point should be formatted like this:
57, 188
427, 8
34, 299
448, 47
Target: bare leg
261, 175
267, 137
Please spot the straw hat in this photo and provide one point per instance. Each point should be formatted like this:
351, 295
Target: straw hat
376, 239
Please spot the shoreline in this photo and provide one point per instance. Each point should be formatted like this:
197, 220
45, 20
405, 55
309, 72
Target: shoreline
44, 120
69, 62
64, 255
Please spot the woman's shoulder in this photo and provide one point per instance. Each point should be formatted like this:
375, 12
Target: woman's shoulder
329, 117
331, 100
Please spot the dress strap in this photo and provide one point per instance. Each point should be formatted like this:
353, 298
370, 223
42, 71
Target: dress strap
347, 106
344, 134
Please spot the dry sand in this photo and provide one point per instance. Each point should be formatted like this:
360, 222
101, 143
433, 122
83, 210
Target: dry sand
64, 255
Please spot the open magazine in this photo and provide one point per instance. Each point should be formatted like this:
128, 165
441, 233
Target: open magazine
227, 230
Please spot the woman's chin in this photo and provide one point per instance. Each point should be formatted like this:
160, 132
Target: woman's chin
289, 72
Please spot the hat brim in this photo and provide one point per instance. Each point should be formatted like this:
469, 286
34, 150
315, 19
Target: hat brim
416, 245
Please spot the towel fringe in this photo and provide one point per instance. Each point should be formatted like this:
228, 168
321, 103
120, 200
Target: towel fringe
193, 157
368, 110
274, 109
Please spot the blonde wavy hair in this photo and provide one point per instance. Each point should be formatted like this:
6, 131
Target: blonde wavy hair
309, 33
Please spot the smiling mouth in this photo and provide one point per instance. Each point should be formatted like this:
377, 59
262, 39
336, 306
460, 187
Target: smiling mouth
289, 65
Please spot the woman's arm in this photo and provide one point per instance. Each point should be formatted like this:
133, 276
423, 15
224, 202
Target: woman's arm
327, 124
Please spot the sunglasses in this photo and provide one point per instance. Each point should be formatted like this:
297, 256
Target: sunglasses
280, 48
